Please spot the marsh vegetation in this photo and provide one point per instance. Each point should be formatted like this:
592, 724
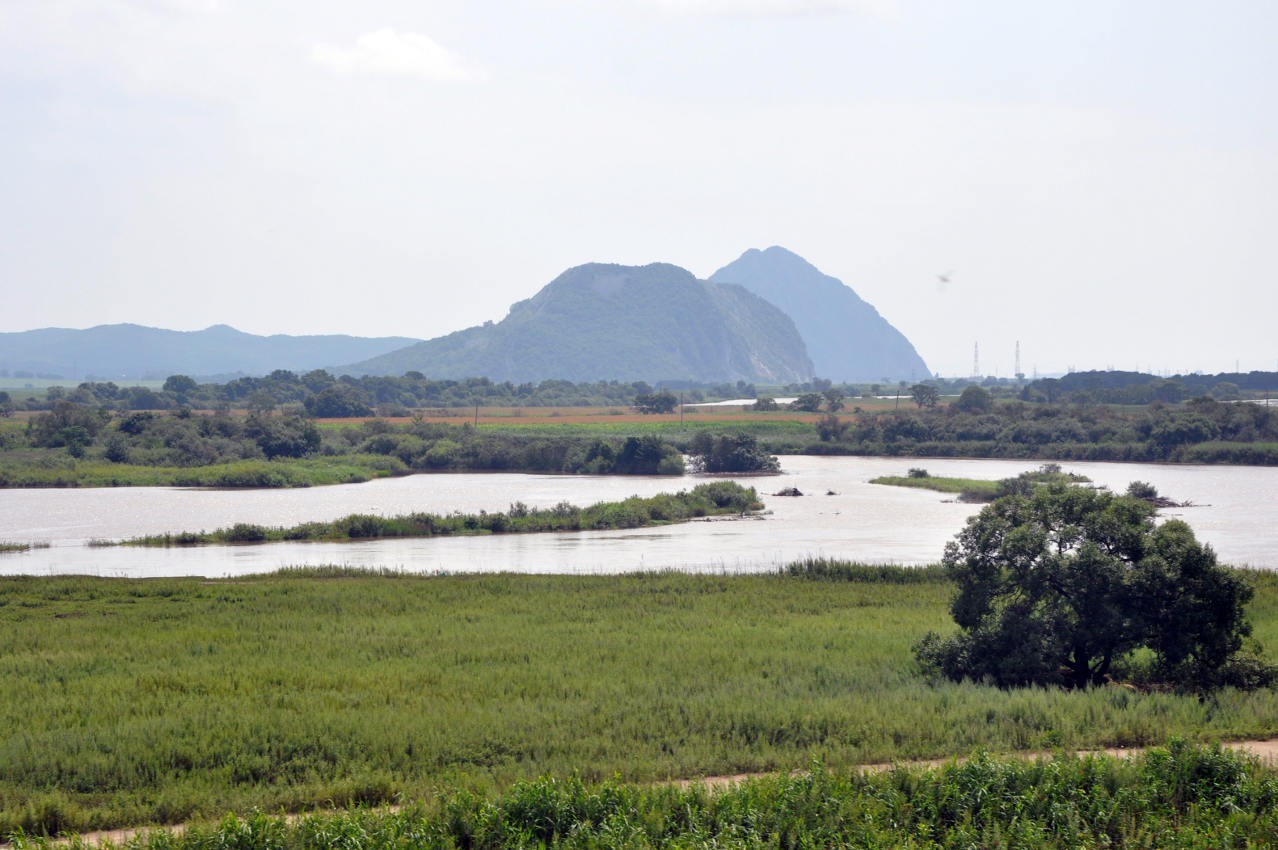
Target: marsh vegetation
326, 686
717, 498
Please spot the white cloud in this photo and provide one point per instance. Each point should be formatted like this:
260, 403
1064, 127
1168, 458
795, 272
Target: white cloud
773, 8
386, 52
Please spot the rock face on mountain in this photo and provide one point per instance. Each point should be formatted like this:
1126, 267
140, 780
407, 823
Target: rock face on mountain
846, 337
606, 322
131, 352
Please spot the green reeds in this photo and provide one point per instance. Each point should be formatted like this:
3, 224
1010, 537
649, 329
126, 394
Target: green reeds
713, 499
141, 701
1181, 796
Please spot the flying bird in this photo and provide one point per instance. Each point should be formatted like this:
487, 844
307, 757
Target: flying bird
943, 280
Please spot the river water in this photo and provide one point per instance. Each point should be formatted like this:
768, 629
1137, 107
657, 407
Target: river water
840, 515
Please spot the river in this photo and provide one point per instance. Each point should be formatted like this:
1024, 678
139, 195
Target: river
840, 515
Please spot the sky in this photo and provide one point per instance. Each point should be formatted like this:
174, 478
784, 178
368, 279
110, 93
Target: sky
1097, 181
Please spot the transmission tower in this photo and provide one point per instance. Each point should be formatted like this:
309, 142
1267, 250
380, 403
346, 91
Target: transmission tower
1020, 376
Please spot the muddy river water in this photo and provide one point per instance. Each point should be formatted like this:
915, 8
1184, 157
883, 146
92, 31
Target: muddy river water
840, 515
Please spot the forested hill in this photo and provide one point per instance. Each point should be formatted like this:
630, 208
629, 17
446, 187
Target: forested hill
133, 352
597, 321
846, 337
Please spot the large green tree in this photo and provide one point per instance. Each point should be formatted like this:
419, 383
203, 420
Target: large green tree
663, 401
729, 453
1058, 585
974, 399
925, 395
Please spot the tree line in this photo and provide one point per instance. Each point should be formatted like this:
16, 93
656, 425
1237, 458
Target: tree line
320, 394
184, 439
1200, 430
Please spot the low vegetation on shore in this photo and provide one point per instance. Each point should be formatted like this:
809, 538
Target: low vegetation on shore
7, 546
1175, 796
716, 498
979, 489
330, 686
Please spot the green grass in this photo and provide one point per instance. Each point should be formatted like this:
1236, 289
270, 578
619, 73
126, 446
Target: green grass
64, 471
717, 498
977, 489
136, 701
1179, 796
968, 489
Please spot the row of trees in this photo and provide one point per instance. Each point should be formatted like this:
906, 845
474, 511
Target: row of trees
974, 426
320, 394
1116, 387
185, 439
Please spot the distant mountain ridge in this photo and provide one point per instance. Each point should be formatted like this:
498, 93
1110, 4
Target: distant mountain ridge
770, 316
846, 337
135, 352
611, 322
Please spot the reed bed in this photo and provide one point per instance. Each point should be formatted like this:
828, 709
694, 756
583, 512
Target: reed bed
156, 701
10, 546
717, 498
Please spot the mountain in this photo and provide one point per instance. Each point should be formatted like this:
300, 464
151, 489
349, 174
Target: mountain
125, 351
610, 322
846, 337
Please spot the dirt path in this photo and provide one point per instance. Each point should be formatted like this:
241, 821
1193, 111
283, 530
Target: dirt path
1266, 751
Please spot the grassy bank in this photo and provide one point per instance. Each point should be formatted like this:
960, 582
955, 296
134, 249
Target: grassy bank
1179, 796
61, 470
982, 490
130, 701
717, 498
967, 489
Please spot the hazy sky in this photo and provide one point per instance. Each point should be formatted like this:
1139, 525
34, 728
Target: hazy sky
1100, 177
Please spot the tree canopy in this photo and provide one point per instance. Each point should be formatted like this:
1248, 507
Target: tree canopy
925, 395
1062, 584
729, 453
662, 401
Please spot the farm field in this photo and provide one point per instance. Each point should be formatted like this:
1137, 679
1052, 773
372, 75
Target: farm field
157, 701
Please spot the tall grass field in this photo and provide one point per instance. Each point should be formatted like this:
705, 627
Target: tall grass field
157, 701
